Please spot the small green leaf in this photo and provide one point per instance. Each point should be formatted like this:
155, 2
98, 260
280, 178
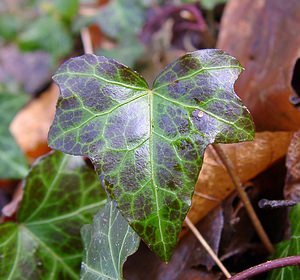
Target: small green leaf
61, 194
46, 33
64, 9
10, 24
147, 145
289, 248
13, 163
120, 18
107, 242
67, 8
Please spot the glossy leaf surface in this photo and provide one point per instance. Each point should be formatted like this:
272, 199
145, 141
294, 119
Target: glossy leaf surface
147, 145
13, 163
289, 248
108, 242
61, 194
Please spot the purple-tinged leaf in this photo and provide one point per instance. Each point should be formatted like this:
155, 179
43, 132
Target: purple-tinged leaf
147, 145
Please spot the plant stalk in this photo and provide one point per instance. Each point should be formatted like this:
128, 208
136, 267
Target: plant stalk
86, 40
207, 247
245, 199
267, 266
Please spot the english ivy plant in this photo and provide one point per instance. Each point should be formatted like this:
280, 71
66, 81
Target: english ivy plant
14, 165
40, 25
60, 195
108, 243
147, 144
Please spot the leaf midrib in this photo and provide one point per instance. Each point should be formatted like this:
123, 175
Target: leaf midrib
96, 272
110, 223
150, 100
17, 256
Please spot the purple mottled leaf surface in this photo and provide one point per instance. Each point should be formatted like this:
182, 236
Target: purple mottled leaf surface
146, 144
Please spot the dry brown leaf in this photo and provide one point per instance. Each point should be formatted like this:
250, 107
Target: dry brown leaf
292, 184
264, 36
249, 159
31, 125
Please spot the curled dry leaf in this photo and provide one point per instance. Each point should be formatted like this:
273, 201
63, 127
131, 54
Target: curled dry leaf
31, 125
267, 45
249, 159
292, 184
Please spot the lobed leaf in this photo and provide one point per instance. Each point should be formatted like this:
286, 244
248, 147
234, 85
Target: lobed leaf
147, 145
108, 242
13, 163
289, 248
61, 194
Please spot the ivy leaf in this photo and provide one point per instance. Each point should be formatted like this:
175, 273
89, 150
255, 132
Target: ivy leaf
13, 163
289, 248
147, 145
61, 194
121, 18
9, 26
67, 8
108, 242
49, 34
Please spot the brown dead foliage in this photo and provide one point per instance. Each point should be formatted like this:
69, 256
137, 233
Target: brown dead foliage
31, 125
264, 36
249, 160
